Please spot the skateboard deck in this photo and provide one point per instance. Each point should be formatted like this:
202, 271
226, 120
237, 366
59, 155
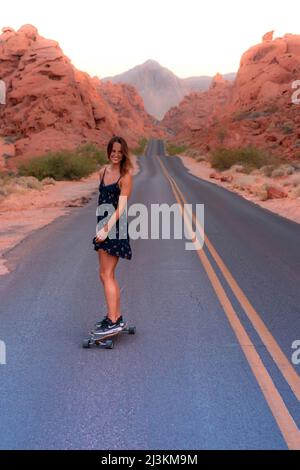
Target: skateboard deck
106, 341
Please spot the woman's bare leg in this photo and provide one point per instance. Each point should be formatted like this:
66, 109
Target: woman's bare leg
107, 265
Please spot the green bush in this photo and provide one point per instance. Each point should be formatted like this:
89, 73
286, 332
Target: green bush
250, 157
173, 149
65, 164
90, 150
252, 115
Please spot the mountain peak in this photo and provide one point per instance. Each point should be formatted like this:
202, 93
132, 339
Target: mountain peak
159, 87
152, 62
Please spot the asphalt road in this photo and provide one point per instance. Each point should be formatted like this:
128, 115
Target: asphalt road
184, 381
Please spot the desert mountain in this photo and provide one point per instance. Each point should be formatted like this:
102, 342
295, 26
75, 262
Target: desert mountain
159, 87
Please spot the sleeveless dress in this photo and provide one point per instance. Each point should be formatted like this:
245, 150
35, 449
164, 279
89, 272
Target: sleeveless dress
109, 194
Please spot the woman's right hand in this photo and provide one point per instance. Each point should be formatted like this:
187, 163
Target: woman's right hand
101, 235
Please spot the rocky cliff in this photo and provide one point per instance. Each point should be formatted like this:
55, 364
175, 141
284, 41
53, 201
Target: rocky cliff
51, 105
257, 108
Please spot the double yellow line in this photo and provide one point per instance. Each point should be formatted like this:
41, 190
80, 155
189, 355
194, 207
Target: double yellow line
285, 422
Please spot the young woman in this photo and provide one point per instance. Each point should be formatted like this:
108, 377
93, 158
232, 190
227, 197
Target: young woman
115, 181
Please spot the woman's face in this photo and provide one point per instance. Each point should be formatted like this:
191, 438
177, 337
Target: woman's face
116, 153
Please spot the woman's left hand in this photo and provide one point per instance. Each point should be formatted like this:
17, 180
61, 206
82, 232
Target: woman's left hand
101, 235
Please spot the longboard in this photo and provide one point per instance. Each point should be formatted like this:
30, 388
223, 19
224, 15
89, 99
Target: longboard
106, 342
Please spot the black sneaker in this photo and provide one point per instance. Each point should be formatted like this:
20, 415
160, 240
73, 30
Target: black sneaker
107, 328
101, 322
121, 322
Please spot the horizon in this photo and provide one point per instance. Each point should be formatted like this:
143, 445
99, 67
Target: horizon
98, 46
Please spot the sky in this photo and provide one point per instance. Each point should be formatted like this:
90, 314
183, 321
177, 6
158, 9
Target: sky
189, 37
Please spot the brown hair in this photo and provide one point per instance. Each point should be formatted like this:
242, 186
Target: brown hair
126, 163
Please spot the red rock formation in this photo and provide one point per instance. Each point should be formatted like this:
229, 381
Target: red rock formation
50, 105
128, 108
268, 36
223, 178
198, 113
256, 109
275, 193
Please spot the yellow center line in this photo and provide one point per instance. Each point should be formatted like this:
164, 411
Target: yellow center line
277, 406
268, 340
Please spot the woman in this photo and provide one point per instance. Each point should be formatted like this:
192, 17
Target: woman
115, 181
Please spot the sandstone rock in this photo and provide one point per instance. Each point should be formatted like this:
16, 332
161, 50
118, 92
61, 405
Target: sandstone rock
237, 168
30, 31
295, 180
295, 193
256, 109
217, 79
283, 170
52, 106
268, 36
48, 180
215, 176
275, 192
7, 29
261, 193
220, 177
29, 182
226, 178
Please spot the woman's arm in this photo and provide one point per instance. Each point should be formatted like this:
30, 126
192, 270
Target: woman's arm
126, 190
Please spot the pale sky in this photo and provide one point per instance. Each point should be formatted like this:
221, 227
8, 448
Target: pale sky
189, 37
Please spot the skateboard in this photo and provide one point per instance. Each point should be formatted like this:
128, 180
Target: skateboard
106, 342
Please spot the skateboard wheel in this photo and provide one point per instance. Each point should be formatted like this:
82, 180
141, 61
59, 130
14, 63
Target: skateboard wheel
109, 344
86, 343
131, 330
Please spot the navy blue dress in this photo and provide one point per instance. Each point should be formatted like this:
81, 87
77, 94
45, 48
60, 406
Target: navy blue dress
109, 194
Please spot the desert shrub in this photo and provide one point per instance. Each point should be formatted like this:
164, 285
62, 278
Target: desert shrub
238, 168
252, 115
48, 180
65, 164
90, 150
243, 181
283, 170
30, 182
195, 154
267, 170
250, 157
173, 149
200, 158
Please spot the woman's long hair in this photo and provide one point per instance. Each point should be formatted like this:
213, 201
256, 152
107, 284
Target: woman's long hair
126, 163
